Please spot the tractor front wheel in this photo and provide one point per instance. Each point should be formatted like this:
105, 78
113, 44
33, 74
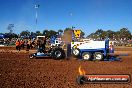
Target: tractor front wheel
31, 56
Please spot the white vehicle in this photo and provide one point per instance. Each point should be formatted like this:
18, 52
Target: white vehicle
40, 37
87, 50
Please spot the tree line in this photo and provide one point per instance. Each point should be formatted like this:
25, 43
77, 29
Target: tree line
100, 34
123, 34
48, 33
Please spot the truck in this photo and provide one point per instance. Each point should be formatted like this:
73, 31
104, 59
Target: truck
91, 50
88, 49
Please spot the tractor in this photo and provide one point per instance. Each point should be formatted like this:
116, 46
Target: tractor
54, 51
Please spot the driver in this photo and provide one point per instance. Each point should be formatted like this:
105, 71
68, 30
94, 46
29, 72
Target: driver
41, 44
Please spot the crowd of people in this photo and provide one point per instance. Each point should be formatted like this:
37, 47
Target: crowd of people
20, 44
29, 44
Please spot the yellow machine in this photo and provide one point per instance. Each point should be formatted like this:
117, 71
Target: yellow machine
77, 33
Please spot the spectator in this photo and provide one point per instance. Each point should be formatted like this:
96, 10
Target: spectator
43, 44
18, 45
22, 44
28, 45
39, 45
33, 44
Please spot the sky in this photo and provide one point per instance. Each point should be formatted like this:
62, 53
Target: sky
87, 15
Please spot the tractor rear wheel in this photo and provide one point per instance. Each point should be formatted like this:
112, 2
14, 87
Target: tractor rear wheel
58, 53
98, 56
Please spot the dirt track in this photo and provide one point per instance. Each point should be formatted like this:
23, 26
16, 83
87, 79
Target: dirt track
18, 71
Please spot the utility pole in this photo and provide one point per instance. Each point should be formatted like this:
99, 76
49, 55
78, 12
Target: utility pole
36, 6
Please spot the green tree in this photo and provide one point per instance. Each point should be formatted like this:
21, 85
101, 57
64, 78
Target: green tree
38, 33
82, 34
60, 32
33, 35
52, 33
125, 34
49, 33
103, 35
111, 34
25, 34
117, 35
98, 33
68, 29
46, 32
11, 35
93, 36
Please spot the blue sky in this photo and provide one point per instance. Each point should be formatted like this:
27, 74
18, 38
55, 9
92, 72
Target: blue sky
88, 15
